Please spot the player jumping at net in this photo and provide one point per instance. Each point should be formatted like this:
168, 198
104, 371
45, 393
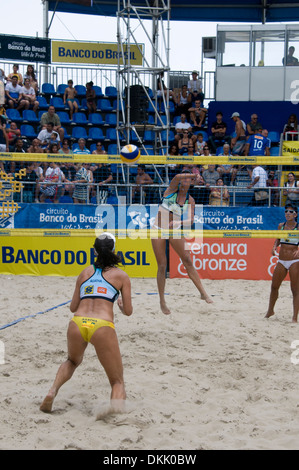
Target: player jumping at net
96, 290
176, 202
288, 262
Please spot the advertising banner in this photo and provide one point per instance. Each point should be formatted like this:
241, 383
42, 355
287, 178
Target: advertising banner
25, 48
231, 258
60, 255
73, 216
95, 53
290, 148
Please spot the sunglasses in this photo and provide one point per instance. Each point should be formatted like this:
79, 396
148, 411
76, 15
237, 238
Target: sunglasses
290, 211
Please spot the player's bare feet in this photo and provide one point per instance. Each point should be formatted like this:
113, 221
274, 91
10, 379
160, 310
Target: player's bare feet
47, 404
165, 309
269, 314
207, 299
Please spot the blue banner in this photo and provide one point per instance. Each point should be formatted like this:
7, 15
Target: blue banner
73, 216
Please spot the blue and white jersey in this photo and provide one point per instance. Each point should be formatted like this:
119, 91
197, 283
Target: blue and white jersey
97, 287
257, 144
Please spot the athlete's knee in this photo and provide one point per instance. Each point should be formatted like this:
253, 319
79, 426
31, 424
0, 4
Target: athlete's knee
75, 362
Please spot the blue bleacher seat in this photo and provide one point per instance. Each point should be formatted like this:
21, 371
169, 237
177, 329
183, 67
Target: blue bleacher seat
48, 89
64, 117
274, 137
58, 103
163, 119
111, 134
95, 119
92, 147
103, 104
81, 91
29, 116
111, 91
83, 105
28, 131
110, 120
43, 103
61, 89
274, 151
171, 107
151, 107
148, 136
79, 118
98, 90
112, 150
79, 132
170, 136
14, 115
219, 150
95, 133
66, 135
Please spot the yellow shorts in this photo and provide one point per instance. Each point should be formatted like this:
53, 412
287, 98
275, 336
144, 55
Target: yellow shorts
88, 326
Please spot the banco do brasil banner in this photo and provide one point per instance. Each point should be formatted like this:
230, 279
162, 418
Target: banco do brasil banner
95, 53
25, 48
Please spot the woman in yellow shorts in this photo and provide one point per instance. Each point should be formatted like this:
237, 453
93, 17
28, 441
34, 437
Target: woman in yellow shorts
97, 288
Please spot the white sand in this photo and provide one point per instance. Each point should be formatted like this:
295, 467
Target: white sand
208, 377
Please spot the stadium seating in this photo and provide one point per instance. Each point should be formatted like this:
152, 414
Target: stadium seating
28, 131
80, 119
43, 103
29, 116
14, 115
95, 119
78, 132
110, 120
64, 117
111, 91
48, 89
95, 133
58, 103
81, 91
104, 105
112, 149
61, 89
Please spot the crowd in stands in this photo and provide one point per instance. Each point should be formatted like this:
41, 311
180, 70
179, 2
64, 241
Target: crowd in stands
53, 125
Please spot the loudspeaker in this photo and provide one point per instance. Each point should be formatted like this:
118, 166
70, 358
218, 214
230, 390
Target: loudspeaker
138, 104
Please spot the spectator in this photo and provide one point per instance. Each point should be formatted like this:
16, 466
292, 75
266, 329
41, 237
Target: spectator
102, 177
257, 144
82, 149
13, 133
173, 150
30, 185
291, 60
185, 142
259, 183
183, 101
69, 96
218, 130
53, 147
161, 87
253, 125
227, 172
183, 125
44, 136
28, 96
65, 147
12, 93
35, 147
210, 176
51, 187
265, 133
142, 179
19, 146
200, 144
51, 116
99, 150
32, 78
3, 77
291, 189
272, 182
197, 114
4, 142
80, 194
291, 128
91, 98
195, 86
16, 72
238, 142
219, 196
69, 172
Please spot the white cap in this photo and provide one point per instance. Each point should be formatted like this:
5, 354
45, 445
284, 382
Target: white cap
107, 235
235, 115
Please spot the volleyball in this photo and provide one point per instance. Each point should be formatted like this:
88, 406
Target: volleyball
130, 154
